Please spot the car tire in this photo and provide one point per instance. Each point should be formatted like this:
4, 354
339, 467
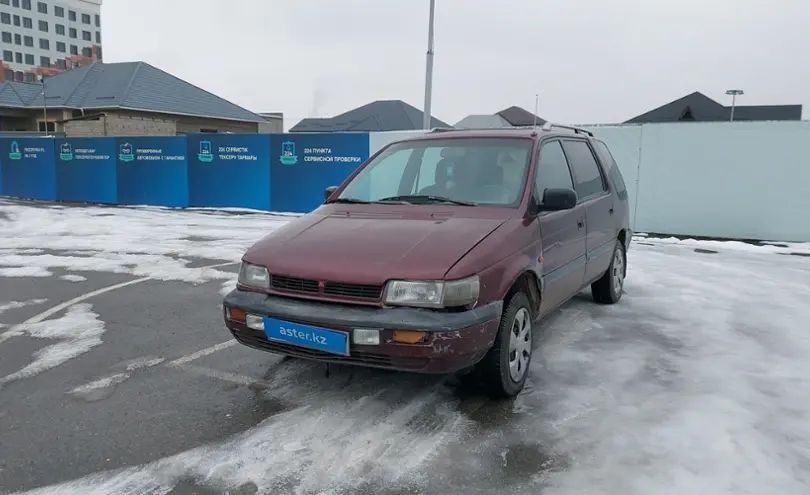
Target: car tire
609, 288
502, 374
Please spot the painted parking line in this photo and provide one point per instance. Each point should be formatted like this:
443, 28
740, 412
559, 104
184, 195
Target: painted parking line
201, 353
224, 375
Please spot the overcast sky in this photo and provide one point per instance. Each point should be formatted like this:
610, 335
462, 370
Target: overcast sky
591, 61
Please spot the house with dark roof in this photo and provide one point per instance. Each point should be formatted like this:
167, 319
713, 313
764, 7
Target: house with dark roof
378, 116
130, 98
697, 107
519, 117
508, 117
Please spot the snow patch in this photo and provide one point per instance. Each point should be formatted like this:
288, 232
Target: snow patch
78, 331
109, 381
73, 278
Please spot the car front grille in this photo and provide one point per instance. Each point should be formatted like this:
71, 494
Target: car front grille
293, 284
334, 289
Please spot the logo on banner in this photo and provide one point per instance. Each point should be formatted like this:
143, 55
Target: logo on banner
14, 152
205, 154
125, 153
66, 152
288, 156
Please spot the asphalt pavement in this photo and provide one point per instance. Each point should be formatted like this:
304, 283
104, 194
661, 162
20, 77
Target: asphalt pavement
118, 376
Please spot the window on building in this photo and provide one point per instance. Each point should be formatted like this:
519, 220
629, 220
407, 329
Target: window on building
30, 77
45, 61
98, 37
99, 56
61, 47
98, 20
72, 15
17, 20
5, 18
19, 76
50, 126
15, 3
18, 57
5, 2
85, 18
8, 56
9, 74
28, 40
74, 50
61, 64
87, 36
42, 7
29, 59
589, 180
44, 44
28, 23
60, 29
87, 51
6, 37
43, 26
26, 4
58, 11
73, 33
18, 39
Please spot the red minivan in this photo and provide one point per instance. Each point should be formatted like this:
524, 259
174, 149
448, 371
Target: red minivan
438, 254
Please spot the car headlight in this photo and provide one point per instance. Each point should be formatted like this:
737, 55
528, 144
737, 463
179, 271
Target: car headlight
433, 293
254, 275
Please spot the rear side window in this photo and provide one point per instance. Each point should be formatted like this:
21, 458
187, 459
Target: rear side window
588, 176
552, 169
615, 173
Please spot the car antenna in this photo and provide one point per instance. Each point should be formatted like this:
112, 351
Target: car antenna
536, 109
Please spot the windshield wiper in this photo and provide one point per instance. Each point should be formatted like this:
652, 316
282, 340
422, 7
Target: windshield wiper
415, 198
350, 201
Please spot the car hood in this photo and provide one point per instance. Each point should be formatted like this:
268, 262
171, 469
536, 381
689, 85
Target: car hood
369, 249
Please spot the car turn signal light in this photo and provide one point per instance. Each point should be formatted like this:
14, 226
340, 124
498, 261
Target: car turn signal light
409, 336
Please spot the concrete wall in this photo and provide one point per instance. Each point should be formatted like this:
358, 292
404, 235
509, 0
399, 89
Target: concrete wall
143, 124
117, 125
743, 180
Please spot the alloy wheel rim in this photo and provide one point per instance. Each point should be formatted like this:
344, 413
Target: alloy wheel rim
520, 344
618, 271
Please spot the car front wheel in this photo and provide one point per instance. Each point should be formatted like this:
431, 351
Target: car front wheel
505, 367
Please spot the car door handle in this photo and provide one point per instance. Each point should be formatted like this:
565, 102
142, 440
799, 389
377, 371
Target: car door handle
611, 210
580, 223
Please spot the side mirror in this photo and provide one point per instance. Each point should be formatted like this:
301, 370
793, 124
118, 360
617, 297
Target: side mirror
328, 193
558, 199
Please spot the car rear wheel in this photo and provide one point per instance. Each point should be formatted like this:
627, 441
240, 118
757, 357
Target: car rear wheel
609, 288
505, 367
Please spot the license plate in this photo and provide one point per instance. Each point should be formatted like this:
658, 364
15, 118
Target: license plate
320, 339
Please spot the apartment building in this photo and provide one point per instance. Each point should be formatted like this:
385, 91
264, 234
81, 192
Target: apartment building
45, 37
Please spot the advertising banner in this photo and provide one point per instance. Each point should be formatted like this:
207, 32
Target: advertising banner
229, 170
86, 170
304, 165
28, 168
152, 171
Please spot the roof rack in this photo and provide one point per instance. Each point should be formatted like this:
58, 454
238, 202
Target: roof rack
442, 129
579, 130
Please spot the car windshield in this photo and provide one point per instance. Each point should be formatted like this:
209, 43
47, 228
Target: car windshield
462, 171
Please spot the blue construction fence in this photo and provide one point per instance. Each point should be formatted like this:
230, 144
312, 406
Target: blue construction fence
274, 172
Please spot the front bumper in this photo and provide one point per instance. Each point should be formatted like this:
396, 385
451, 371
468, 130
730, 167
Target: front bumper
455, 340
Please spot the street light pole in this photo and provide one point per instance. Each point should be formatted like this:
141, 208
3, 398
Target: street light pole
734, 93
426, 120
